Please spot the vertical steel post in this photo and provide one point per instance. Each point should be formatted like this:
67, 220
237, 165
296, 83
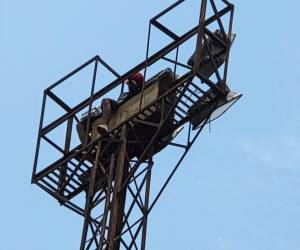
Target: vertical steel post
197, 59
119, 195
89, 198
146, 206
63, 169
107, 201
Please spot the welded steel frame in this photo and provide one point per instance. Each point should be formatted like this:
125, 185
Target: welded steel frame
56, 178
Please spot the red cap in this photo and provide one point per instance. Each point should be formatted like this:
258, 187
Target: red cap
137, 77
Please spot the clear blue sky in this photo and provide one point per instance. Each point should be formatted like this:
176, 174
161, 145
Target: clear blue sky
242, 195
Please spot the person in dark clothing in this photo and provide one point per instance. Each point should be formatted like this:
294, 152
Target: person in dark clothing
108, 106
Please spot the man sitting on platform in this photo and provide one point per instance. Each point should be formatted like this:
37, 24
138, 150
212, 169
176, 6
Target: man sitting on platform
108, 106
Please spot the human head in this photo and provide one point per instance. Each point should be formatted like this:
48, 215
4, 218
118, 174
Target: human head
135, 82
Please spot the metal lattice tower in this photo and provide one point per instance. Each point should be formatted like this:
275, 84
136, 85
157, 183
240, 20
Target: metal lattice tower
108, 181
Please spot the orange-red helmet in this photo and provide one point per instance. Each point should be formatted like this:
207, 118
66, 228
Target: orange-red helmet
138, 78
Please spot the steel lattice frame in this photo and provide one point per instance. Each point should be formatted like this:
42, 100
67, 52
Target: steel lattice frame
115, 216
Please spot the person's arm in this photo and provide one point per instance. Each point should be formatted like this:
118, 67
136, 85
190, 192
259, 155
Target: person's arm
94, 113
123, 97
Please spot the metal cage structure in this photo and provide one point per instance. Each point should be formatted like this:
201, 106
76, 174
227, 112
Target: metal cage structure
108, 180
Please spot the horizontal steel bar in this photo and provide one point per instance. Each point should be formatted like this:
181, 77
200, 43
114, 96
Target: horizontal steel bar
177, 63
167, 9
164, 29
58, 100
107, 66
73, 72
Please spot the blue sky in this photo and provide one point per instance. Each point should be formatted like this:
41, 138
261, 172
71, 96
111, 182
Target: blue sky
239, 186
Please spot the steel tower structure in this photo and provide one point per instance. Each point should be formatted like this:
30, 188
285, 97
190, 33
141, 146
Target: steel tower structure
108, 180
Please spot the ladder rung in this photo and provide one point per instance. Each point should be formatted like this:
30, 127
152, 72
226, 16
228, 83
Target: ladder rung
54, 189
71, 170
188, 98
198, 88
73, 187
176, 113
181, 109
182, 102
83, 165
193, 93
